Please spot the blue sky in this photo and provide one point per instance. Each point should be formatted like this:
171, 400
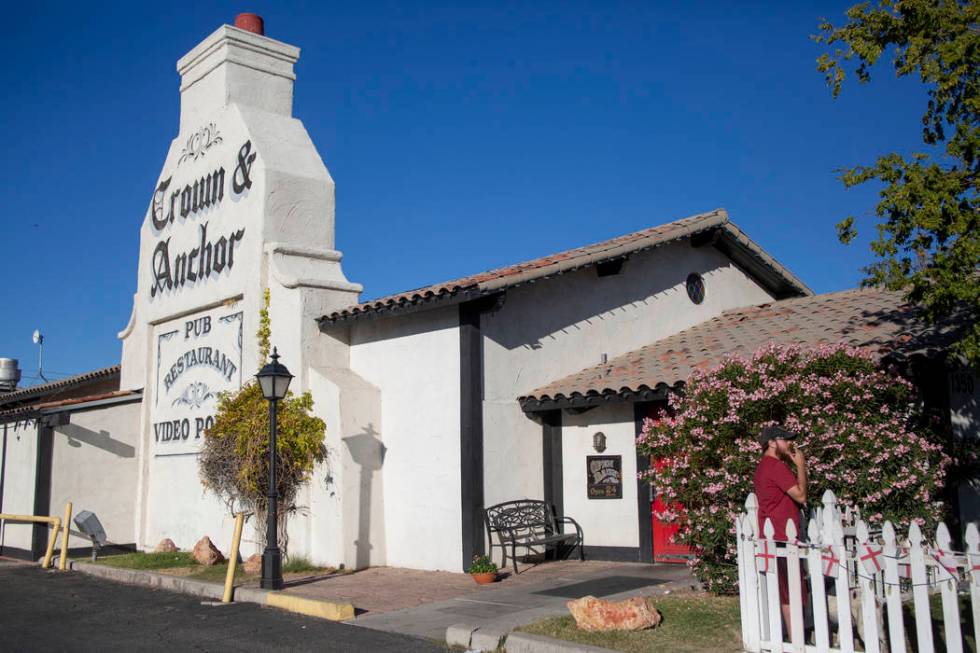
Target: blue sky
461, 137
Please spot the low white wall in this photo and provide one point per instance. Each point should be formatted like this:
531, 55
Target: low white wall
94, 466
414, 361
605, 522
179, 507
19, 466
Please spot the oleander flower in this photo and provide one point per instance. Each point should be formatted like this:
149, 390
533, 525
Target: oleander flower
863, 430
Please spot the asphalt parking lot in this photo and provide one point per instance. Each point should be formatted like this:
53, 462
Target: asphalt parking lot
67, 611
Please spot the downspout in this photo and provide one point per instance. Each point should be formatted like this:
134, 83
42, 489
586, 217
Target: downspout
3, 477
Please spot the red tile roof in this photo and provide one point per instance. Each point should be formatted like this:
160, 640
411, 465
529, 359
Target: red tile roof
546, 266
872, 318
53, 388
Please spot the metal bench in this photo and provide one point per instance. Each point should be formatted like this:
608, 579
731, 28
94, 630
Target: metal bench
530, 523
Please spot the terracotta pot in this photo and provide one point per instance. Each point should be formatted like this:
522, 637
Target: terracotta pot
485, 578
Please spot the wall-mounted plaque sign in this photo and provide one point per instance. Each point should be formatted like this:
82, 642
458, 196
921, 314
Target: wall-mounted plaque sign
605, 477
197, 357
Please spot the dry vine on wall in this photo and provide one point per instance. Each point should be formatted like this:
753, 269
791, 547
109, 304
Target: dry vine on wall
234, 460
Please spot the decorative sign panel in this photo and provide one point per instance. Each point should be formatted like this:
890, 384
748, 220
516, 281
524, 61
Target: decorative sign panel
605, 477
197, 357
195, 243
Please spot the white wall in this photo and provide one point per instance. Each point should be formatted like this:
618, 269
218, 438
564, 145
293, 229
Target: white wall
280, 227
964, 406
94, 466
605, 522
414, 361
559, 326
19, 465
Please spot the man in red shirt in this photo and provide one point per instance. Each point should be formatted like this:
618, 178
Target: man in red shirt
780, 493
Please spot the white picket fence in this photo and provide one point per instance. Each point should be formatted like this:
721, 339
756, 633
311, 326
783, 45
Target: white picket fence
870, 574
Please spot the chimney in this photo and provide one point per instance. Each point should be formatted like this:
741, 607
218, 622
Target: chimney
236, 65
9, 375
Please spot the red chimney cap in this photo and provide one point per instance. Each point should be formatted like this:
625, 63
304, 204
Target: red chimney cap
250, 23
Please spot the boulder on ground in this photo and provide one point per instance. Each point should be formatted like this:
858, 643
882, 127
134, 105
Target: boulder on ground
206, 553
592, 614
253, 565
166, 545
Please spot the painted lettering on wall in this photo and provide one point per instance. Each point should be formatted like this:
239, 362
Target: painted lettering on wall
172, 268
181, 429
198, 357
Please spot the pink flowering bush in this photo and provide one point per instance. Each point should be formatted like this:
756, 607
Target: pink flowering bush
860, 427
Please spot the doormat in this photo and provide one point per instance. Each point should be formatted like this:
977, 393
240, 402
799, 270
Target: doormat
602, 586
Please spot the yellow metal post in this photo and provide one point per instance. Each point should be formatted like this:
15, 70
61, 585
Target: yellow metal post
63, 561
233, 557
55, 527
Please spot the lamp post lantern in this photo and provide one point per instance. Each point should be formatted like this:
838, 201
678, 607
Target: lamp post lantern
274, 379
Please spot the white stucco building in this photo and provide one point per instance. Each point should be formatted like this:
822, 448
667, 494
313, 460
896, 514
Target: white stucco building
438, 402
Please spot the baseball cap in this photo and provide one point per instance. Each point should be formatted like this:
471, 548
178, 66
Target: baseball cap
774, 432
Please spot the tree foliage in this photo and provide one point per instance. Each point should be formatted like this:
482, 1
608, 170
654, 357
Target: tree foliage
928, 242
862, 431
234, 460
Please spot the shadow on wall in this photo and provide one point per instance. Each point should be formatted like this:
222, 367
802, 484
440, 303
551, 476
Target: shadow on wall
579, 298
574, 298
368, 451
101, 439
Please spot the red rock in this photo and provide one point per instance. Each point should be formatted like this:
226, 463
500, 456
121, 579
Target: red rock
594, 614
206, 553
253, 565
166, 545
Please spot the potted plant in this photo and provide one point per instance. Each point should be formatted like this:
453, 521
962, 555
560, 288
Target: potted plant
483, 570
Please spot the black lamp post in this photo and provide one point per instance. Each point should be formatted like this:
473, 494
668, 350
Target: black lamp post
274, 380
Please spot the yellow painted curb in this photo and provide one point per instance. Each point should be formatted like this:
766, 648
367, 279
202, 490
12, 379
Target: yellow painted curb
322, 609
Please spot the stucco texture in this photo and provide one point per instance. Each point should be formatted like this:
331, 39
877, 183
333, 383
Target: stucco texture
556, 327
414, 361
18, 465
604, 522
93, 465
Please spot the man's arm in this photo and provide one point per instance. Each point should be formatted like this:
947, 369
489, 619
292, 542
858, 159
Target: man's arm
798, 491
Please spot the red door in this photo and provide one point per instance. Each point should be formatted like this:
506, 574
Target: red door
664, 547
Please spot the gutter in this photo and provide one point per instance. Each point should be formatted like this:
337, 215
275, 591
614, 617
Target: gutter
40, 410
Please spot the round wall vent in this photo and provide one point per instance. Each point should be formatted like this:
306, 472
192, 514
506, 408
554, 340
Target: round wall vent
695, 287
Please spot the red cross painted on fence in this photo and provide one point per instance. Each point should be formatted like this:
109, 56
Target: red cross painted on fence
831, 560
870, 558
762, 559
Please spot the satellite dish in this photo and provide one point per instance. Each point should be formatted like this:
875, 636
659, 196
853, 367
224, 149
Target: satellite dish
38, 338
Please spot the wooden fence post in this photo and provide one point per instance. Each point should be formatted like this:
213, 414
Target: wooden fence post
769, 557
973, 576
893, 593
920, 596
818, 598
829, 516
753, 634
742, 581
795, 584
948, 577
845, 630
869, 604
762, 598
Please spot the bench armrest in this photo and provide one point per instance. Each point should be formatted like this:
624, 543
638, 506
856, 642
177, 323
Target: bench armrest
569, 520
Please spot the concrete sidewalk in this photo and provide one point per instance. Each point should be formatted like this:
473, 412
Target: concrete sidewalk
440, 606
427, 604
